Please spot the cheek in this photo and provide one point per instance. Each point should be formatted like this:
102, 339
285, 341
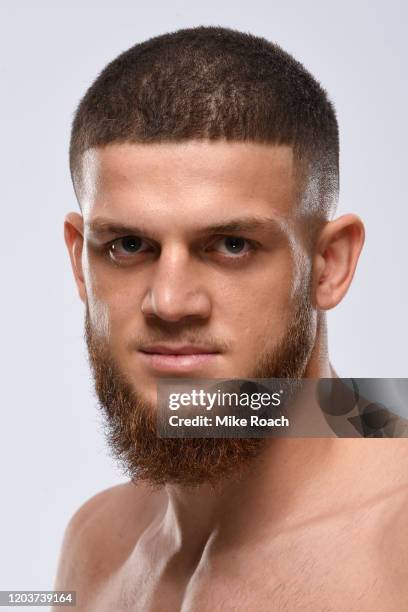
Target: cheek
112, 315
260, 302
109, 302
100, 316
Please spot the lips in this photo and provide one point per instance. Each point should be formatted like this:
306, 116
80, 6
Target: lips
177, 358
180, 349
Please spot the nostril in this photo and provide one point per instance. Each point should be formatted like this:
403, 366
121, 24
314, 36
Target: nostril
177, 306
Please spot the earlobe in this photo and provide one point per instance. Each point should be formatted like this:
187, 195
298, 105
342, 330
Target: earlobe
338, 250
74, 239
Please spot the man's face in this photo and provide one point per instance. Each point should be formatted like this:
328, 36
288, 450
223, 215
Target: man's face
193, 265
191, 247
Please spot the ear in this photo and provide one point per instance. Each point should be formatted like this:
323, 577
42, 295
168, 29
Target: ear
74, 239
336, 256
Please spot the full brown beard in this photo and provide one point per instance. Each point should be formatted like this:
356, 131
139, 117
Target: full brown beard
130, 421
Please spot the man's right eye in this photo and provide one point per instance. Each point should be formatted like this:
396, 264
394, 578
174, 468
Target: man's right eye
124, 248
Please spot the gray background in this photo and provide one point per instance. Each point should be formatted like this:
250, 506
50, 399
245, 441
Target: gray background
53, 455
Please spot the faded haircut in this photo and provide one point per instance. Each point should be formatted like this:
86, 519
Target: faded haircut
213, 83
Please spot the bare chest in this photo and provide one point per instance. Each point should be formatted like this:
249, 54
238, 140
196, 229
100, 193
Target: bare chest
343, 572
349, 564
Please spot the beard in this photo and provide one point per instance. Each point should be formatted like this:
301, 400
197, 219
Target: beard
130, 421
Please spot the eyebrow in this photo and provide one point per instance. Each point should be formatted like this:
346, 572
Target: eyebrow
101, 225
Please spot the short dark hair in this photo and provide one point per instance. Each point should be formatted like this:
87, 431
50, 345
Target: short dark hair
212, 83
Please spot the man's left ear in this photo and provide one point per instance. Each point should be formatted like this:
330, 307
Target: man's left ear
337, 251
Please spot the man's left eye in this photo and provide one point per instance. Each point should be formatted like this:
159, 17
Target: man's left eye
232, 245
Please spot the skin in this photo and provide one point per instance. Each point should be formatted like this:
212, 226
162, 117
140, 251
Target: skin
305, 529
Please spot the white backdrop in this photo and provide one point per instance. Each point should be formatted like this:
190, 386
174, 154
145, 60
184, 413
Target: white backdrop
53, 455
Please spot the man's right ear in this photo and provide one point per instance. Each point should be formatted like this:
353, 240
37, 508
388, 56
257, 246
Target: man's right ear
74, 239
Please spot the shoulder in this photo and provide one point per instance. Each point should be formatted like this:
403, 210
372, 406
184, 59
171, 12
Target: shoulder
101, 532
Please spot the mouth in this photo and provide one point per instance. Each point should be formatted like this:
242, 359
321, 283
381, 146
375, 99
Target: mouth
177, 358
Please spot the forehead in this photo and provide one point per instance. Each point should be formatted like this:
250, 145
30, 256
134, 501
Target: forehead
199, 176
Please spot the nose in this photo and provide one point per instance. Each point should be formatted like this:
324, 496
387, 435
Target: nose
176, 289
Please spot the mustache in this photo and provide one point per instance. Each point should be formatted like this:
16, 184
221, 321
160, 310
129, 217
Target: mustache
174, 334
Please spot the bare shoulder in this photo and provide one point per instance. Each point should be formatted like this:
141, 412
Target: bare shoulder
102, 533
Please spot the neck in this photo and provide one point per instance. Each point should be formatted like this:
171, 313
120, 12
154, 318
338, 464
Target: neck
293, 482
280, 483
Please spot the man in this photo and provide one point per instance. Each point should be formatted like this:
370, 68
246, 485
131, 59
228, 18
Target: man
205, 163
